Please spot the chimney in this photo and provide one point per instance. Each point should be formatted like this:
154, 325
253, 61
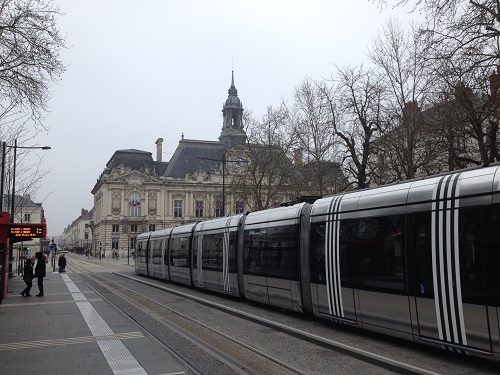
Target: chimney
297, 156
159, 142
84, 212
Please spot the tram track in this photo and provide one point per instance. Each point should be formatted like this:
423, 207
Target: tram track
199, 333
238, 356
362, 355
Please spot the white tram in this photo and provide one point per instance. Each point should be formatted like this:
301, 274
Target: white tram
418, 259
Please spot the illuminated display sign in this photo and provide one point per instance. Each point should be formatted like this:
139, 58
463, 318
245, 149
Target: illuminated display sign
26, 231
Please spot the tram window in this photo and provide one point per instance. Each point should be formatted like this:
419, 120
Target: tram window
156, 251
197, 246
318, 270
347, 254
231, 253
420, 279
470, 239
140, 251
179, 252
212, 252
272, 252
491, 254
380, 245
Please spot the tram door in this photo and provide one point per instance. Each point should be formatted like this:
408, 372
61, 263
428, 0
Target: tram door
333, 269
448, 281
380, 245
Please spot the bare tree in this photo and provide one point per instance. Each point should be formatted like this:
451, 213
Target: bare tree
29, 57
356, 112
265, 180
463, 39
465, 113
29, 64
316, 152
400, 56
30, 166
468, 30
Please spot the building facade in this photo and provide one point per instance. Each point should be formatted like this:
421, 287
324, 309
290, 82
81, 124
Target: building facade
136, 193
78, 234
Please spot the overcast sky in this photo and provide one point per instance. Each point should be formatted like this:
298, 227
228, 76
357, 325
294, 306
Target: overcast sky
141, 70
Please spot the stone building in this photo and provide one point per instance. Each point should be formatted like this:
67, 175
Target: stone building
136, 193
78, 233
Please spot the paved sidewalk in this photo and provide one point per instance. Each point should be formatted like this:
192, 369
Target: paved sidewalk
108, 259
71, 330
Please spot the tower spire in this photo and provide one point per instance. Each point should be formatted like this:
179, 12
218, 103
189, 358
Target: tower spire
232, 125
232, 90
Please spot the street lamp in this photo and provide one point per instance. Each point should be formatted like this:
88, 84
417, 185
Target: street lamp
223, 161
15, 147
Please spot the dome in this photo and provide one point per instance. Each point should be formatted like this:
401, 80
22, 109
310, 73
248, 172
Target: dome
233, 101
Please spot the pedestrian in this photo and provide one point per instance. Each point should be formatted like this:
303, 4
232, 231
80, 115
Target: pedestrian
62, 263
28, 278
40, 272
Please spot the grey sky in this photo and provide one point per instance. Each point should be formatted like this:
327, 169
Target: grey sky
140, 70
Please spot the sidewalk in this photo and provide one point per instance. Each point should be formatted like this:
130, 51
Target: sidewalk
71, 330
107, 259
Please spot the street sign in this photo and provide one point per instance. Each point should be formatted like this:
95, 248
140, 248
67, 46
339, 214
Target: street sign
52, 247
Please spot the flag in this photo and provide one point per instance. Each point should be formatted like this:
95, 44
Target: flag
134, 203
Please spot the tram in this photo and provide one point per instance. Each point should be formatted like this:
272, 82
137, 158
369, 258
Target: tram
418, 259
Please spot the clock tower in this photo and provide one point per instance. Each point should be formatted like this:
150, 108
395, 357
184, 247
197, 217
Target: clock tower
232, 133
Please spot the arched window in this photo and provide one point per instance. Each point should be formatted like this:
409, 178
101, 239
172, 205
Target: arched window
134, 204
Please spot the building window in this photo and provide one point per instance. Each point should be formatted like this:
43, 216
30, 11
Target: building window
459, 143
152, 227
114, 243
86, 236
134, 204
198, 208
133, 228
219, 211
27, 217
240, 206
133, 242
177, 208
115, 228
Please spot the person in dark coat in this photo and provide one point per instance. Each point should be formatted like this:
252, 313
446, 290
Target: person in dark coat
40, 271
28, 278
62, 263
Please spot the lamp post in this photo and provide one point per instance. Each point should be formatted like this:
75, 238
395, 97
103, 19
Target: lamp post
15, 147
223, 161
4, 146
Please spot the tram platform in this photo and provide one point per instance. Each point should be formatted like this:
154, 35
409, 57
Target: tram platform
72, 330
